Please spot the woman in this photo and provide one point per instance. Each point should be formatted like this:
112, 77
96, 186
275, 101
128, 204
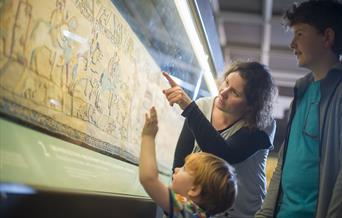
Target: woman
231, 126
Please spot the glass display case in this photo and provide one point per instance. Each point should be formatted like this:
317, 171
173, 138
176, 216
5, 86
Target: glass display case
76, 78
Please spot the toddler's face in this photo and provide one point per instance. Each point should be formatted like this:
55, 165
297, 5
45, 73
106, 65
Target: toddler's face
182, 181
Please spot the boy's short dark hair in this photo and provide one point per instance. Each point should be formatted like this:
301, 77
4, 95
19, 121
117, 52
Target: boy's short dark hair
319, 14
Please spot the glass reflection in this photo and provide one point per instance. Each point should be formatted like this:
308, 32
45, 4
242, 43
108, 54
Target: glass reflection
159, 27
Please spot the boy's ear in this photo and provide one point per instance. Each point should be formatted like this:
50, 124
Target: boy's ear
329, 37
195, 191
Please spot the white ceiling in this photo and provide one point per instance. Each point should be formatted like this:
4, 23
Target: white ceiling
251, 29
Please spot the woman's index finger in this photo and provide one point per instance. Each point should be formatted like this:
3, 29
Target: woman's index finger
170, 80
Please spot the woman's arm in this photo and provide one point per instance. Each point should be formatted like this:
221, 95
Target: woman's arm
184, 146
238, 147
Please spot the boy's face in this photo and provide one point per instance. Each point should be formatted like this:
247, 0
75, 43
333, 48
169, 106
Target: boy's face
182, 181
307, 44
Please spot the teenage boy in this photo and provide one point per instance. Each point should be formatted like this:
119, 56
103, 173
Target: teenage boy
308, 179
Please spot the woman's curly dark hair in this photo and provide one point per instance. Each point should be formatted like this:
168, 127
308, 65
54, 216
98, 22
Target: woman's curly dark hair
260, 92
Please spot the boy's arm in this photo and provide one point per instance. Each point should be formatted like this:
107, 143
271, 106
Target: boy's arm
270, 203
335, 205
148, 171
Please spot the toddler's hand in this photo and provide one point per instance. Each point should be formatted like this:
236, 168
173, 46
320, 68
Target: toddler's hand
151, 123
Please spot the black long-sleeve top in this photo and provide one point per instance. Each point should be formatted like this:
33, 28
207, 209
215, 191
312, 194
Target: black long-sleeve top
240, 146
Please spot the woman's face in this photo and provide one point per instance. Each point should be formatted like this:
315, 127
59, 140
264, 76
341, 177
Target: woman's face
232, 98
